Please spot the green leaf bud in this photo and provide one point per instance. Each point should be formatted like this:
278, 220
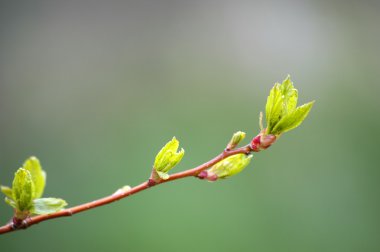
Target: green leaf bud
167, 158
282, 113
23, 190
227, 167
236, 139
27, 189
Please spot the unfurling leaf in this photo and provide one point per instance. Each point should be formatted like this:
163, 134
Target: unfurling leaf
167, 158
33, 165
282, 113
47, 205
23, 190
27, 189
292, 120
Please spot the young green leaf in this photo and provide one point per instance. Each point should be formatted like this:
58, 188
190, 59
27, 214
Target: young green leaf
7, 191
289, 95
273, 107
293, 120
47, 205
23, 190
33, 165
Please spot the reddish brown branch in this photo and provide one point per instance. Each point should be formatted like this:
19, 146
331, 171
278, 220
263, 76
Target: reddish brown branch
117, 196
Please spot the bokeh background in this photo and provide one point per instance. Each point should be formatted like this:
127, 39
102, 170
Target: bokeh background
95, 88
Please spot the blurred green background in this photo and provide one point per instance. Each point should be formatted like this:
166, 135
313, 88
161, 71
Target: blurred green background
95, 88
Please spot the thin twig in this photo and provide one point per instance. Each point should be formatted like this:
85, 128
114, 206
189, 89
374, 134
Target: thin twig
117, 196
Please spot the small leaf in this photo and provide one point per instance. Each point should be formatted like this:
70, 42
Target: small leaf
273, 109
47, 205
10, 202
23, 189
289, 95
33, 165
7, 191
293, 120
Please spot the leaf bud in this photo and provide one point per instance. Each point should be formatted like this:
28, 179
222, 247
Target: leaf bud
236, 139
167, 158
226, 168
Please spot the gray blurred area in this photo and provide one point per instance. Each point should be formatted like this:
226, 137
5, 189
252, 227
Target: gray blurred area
95, 88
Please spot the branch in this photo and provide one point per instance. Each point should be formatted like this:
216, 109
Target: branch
30, 221
282, 115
